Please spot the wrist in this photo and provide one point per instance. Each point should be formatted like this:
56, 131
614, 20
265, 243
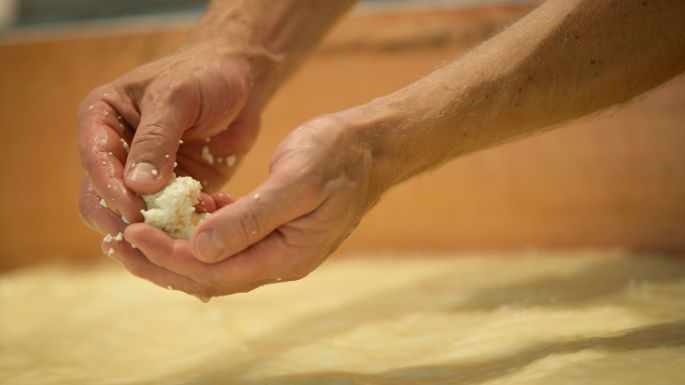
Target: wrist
385, 131
272, 36
373, 126
241, 30
421, 126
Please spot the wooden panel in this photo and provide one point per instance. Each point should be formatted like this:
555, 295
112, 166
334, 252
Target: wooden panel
617, 179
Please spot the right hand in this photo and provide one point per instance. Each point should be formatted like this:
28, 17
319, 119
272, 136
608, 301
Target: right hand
194, 96
323, 179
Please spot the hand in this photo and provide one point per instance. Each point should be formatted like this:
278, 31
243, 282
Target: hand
197, 96
320, 186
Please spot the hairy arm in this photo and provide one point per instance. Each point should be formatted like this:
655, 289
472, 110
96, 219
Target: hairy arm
566, 59
274, 36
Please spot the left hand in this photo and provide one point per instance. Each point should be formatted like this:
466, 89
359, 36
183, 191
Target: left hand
320, 186
135, 130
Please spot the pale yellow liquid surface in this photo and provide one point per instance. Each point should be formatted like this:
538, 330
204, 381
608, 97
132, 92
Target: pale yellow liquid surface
533, 318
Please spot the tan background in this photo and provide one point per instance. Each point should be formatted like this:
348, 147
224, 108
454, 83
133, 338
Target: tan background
614, 180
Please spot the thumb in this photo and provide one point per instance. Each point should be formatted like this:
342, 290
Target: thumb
250, 219
165, 116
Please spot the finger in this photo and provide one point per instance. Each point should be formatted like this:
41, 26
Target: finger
265, 262
205, 204
102, 135
168, 109
134, 261
171, 254
221, 199
235, 227
94, 214
269, 259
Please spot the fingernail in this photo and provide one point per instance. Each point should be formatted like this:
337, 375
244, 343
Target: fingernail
143, 172
208, 246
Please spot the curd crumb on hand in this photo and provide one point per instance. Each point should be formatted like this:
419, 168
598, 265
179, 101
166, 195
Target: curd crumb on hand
173, 208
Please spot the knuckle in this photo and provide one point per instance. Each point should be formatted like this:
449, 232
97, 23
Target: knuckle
84, 105
249, 225
96, 94
86, 102
152, 134
169, 88
324, 120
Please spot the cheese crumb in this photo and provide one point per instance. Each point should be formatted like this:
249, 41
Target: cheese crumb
108, 238
110, 251
119, 237
173, 208
206, 155
230, 160
103, 203
124, 144
154, 172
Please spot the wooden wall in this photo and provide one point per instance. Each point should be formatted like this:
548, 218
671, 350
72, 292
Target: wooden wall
613, 180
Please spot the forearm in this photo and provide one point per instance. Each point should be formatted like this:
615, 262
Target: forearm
273, 36
565, 60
